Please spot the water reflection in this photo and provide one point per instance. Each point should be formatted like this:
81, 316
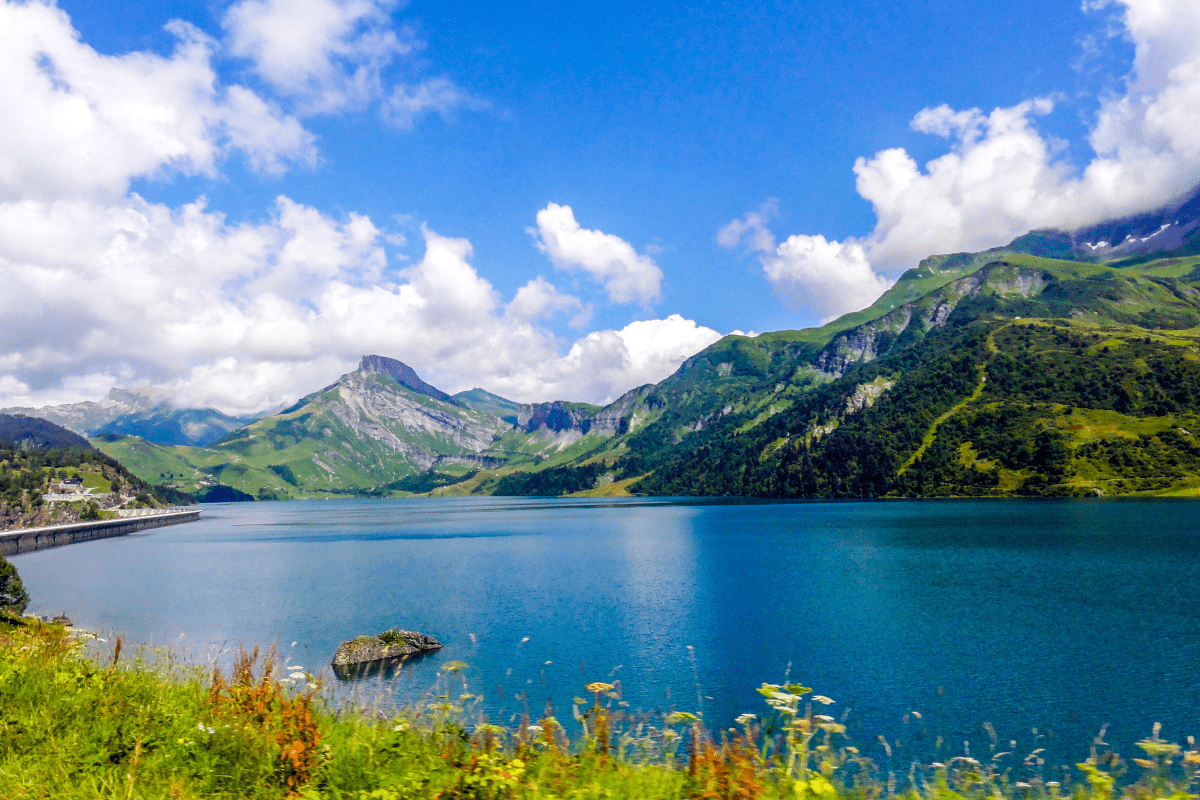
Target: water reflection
382, 669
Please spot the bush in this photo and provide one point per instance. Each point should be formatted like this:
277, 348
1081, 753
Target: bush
13, 597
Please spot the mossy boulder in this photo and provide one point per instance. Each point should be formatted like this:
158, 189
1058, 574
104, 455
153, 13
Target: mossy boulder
387, 645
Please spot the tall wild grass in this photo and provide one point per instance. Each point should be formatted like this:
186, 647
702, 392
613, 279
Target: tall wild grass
131, 726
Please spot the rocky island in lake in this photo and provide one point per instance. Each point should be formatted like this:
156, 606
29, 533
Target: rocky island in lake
392, 644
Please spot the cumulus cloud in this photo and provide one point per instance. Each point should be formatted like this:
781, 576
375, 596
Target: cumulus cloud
102, 287
626, 274
247, 316
605, 364
807, 272
330, 56
1002, 177
79, 123
540, 299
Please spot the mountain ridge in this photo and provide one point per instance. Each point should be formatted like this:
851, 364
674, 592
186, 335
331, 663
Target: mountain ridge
814, 413
142, 411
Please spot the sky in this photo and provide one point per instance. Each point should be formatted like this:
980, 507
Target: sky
235, 200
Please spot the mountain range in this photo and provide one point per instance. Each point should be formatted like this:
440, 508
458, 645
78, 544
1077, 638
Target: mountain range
145, 411
1066, 363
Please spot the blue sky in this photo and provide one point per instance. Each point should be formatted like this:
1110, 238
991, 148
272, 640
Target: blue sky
690, 169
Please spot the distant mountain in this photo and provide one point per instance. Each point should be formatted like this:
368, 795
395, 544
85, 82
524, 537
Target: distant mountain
371, 428
488, 403
145, 412
1173, 230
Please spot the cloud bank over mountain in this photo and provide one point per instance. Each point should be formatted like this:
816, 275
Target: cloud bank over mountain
1002, 177
103, 287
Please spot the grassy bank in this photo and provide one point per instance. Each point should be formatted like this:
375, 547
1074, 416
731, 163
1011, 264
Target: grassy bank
119, 726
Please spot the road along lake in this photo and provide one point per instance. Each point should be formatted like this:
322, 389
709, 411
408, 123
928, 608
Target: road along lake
1046, 619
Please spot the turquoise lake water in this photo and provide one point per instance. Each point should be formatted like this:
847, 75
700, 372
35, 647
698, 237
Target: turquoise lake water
1046, 615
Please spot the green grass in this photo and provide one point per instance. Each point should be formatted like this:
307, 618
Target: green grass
74, 727
93, 480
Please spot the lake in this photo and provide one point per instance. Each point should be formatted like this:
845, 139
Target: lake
1046, 615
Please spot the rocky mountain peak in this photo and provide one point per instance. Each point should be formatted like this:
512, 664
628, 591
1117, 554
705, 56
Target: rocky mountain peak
141, 398
404, 375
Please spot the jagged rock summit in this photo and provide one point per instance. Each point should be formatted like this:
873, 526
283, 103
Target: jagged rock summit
387, 645
404, 375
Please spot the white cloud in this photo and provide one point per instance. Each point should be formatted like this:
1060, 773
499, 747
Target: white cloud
407, 103
808, 272
326, 54
78, 123
101, 287
1002, 177
246, 317
626, 274
605, 364
540, 299
330, 56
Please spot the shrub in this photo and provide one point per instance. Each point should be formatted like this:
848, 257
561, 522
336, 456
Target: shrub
13, 598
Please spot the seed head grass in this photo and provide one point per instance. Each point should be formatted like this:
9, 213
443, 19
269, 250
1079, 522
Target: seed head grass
75, 726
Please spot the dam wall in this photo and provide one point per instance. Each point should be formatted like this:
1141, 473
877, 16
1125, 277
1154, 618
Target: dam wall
28, 539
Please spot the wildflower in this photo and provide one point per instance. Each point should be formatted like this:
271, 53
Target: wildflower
824, 718
599, 687
745, 719
828, 701
401, 726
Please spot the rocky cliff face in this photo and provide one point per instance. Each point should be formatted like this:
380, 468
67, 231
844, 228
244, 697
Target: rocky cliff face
402, 374
408, 425
867, 342
556, 417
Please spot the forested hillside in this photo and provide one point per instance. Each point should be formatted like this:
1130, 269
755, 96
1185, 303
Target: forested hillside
1029, 377
35, 455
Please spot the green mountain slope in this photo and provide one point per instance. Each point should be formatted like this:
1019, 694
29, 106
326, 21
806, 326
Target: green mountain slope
1027, 376
373, 428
